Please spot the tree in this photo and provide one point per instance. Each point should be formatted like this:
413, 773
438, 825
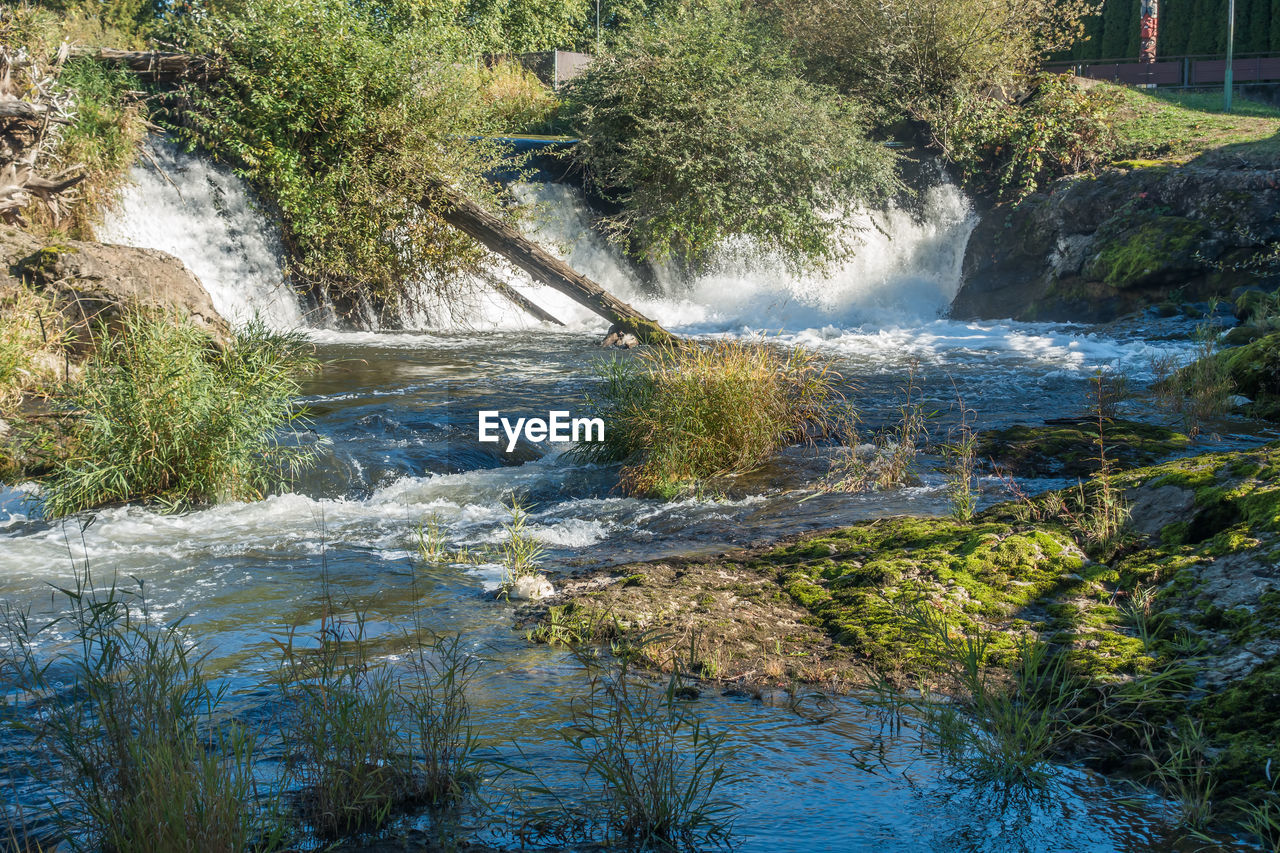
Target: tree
702, 128
920, 57
343, 117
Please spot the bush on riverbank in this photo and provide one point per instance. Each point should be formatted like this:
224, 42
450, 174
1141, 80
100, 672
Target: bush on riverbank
167, 418
1012, 148
701, 126
98, 118
680, 416
342, 116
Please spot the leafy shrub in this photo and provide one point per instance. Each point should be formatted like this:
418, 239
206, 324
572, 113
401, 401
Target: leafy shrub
920, 58
679, 416
342, 115
702, 128
1011, 149
167, 418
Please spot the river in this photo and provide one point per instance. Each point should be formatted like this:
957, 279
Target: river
394, 415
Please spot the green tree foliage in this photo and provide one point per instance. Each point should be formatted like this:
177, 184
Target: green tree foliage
1011, 149
528, 25
919, 57
702, 127
342, 115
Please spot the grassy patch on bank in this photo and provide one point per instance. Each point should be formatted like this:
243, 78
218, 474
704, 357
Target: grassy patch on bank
682, 415
1166, 125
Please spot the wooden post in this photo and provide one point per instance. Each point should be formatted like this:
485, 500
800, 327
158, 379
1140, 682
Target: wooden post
499, 237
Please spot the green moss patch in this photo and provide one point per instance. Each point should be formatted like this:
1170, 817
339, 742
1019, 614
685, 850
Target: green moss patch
1148, 252
860, 584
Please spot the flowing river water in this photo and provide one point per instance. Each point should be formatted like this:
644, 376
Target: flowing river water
394, 414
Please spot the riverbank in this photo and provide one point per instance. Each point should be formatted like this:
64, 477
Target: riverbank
1176, 618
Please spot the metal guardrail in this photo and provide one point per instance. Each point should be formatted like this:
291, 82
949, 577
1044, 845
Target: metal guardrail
1178, 71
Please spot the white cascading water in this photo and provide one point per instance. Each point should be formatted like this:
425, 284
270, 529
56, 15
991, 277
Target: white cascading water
204, 215
905, 269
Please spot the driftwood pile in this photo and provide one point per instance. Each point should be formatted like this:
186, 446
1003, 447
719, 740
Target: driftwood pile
32, 112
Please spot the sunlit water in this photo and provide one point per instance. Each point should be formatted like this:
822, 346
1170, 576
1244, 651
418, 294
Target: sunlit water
394, 416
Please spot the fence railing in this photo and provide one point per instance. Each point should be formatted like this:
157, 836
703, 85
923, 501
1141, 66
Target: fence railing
1181, 71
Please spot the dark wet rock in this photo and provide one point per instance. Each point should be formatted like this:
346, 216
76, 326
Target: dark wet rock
619, 339
1069, 447
1095, 247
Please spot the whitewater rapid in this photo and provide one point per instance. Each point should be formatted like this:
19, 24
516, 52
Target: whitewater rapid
206, 216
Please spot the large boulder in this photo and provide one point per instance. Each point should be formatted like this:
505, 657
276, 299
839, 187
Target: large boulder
1098, 246
95, 285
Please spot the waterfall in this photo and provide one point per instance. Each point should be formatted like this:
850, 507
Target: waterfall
905, 268
205, 216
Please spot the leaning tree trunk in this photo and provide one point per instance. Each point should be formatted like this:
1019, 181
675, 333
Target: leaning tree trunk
499, 237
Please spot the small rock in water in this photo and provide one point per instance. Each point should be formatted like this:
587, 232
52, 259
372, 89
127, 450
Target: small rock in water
619, 339
1238, 401
530, 588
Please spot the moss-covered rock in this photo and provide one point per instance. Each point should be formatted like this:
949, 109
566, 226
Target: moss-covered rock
1000, 577
1069, 448
1158, 250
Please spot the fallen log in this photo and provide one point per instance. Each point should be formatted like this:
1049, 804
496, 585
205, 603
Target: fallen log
158, 65
499, 237
25, 111
519, 300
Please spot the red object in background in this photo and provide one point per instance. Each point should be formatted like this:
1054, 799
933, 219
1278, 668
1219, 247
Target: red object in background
1149, 31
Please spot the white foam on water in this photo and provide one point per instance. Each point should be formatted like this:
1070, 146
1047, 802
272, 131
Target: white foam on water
205, 216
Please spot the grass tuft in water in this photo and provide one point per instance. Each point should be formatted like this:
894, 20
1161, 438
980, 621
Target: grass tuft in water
138, 754
169, 419
679, 416
369, 741
892, 462
998, 728
653, 770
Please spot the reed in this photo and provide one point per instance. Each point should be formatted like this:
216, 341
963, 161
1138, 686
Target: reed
892, 462
680, 416
653, 771
139, 754
960, 453
996, 728
369, 741
167, 418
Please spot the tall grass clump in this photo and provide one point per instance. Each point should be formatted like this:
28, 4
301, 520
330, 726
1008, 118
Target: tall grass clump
961, 455
653, 771
31, 346
679, 416
138, 753
169, 419
369, 741
1198, 391
892, 460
